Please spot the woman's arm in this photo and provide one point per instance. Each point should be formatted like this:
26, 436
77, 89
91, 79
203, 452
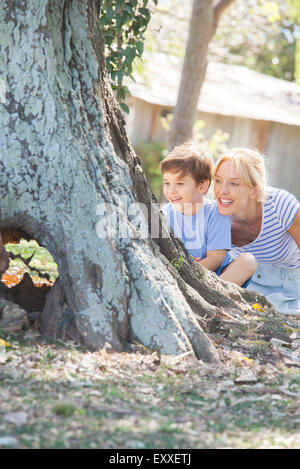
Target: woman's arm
295, 229
295, 233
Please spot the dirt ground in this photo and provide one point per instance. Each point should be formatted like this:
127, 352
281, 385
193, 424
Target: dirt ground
55, 394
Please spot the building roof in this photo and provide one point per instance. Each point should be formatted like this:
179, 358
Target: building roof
228, 90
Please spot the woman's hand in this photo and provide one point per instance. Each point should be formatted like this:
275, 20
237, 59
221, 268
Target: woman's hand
295, 233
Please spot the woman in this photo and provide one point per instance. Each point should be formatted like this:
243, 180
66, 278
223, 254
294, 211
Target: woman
265, 221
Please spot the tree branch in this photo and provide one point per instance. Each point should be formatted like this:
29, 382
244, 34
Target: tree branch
219, 8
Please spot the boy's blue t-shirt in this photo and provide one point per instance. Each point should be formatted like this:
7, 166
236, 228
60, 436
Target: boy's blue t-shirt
204, 231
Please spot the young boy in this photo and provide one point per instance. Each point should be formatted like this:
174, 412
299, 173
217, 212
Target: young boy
187, 173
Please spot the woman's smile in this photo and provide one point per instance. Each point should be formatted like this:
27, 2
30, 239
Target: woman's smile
225, 202
231, 194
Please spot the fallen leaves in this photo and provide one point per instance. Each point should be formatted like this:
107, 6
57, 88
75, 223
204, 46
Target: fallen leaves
60, 395
289, 350
246, 378
15, 275
4, 343
17, 418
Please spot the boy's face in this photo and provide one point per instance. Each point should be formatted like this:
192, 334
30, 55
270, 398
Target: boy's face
183, 192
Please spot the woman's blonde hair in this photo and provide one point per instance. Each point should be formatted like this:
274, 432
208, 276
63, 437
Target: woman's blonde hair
250, 165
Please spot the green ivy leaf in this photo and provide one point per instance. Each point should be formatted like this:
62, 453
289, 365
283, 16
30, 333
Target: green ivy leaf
140, 47
124, 107
123, 24
109, 14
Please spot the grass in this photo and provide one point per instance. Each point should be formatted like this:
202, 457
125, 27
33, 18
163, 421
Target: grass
64, 409
55, 394
77, 399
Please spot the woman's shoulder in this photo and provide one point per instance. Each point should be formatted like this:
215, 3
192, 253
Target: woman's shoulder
280, 205
276, 195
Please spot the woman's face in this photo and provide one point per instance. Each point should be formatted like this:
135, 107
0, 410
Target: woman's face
231, 194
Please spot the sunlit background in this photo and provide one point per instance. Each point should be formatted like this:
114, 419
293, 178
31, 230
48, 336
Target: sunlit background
250, 96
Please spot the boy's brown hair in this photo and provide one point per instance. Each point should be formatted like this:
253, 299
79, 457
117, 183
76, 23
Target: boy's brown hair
189, 159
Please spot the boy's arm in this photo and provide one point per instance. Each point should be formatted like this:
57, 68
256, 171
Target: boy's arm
213, 259
218, 240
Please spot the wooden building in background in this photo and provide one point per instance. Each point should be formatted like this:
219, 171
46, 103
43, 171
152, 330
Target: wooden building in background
257, 111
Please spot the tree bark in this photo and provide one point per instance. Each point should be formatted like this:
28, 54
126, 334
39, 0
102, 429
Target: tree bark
203, 24
64, 157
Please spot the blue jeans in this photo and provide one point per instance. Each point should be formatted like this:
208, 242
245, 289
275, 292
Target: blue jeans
280, 285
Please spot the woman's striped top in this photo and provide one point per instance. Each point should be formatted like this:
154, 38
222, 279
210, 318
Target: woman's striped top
274, 245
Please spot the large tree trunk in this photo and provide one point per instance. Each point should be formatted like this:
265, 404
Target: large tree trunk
203, 23
64, 154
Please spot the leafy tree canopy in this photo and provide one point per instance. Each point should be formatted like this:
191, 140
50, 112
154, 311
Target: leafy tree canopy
294, 13
259, 34
123, 26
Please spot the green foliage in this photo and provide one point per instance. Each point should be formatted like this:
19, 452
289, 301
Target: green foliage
259, 34
152, 153
216, 144
294, 13
41, 263
64, 409
123, 23
297, 62
177, 263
